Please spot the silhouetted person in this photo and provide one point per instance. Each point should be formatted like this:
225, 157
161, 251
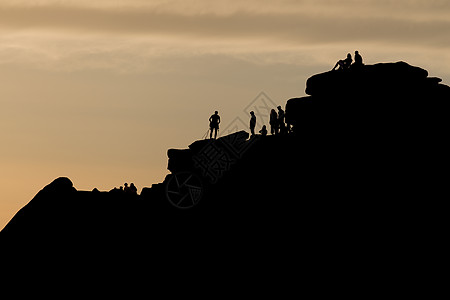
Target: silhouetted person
263, 130
273, 121
281, 120
126, 189
344, 64
252, 122
132, 189
358, 60
214, 122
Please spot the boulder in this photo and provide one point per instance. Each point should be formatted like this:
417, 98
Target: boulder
369, 78
385, 98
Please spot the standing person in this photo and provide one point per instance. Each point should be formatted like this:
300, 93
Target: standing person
281, 120
214, 122
273, 122
252, 122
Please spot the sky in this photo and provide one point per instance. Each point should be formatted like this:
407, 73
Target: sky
97, 91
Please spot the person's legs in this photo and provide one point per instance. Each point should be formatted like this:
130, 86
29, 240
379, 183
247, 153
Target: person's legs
339, 64
335, 66
210, 133
282, 128
215, 133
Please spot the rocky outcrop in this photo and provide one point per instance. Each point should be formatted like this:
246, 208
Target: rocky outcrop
378, 78
368, 151
386, 122
383, 96
38, 216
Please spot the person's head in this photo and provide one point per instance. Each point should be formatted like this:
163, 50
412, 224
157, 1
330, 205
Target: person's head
279, 107
349, 55
273, 111
252, 113
216, 112
356, 52
264, 127
125, 184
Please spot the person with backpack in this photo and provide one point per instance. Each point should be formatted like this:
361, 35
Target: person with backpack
214, 122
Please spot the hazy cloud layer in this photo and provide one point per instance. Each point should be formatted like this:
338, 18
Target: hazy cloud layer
128, 34
277, 21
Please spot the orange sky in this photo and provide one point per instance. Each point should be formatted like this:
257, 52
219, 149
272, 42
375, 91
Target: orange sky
99, 90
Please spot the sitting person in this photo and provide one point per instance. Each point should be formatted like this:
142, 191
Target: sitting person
343, 64
358, 60
263, 130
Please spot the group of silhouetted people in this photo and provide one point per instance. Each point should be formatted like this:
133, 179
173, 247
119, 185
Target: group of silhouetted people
129, 190
345, 64
276, 121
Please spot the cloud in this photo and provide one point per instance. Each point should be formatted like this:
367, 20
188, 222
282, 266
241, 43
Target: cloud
131, 35
288, 23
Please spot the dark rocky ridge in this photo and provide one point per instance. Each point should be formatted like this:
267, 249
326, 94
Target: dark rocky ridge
363, 169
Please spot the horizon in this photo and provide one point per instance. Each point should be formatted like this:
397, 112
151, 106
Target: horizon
98, 92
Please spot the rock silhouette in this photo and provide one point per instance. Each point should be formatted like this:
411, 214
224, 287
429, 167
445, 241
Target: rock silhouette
363, 163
